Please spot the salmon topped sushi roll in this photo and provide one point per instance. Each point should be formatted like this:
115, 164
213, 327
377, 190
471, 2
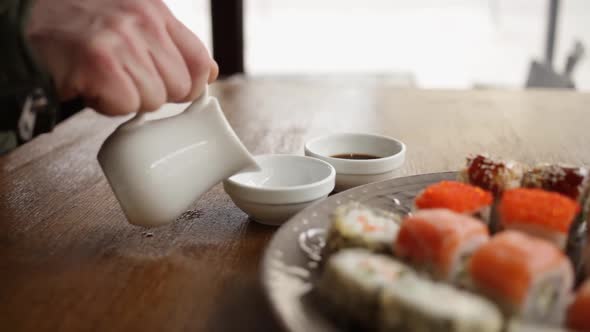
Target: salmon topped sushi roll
458, 197
527, 277
440, 242
358, 226
492, 174
578, 314
539, 213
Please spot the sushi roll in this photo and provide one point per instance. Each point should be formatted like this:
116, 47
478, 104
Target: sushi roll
417, 304
573, 182
357, 226
578, 314
539, 213
492, 174
351, 283
527, 277
439, 242
458, 197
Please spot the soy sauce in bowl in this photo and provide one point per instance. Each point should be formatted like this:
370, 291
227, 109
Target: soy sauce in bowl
358, 158
355, 156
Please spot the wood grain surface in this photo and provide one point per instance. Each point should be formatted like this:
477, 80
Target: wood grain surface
70, 262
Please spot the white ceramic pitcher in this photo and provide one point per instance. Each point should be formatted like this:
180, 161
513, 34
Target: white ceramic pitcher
158, 168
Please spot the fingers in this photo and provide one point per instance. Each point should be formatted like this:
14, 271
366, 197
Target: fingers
111, 91
103, 81
137, 60
202, 68
179, 56
214, 71
164, 54
172, 69
149, 84
141, 67
122, 77
190, 47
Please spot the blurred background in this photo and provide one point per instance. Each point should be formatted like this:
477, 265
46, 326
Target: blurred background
451, 44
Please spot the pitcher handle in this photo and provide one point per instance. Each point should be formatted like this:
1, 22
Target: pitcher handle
140, 117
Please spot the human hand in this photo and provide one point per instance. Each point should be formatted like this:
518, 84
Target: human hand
121, 56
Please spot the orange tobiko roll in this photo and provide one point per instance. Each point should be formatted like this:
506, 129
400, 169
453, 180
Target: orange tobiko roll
458, 197
538, 213
527, 277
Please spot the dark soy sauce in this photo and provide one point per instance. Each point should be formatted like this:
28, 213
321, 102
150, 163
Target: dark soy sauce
355, 156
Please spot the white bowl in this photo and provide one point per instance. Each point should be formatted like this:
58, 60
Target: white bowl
350, 173
285, 185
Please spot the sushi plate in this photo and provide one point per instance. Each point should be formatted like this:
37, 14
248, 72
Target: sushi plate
291, 262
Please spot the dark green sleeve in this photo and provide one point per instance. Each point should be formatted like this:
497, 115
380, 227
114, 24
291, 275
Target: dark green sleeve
28, 103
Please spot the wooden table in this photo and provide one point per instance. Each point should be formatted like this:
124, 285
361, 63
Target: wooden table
69, 261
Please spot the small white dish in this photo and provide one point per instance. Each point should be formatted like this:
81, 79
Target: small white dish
390, 153
284, 185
